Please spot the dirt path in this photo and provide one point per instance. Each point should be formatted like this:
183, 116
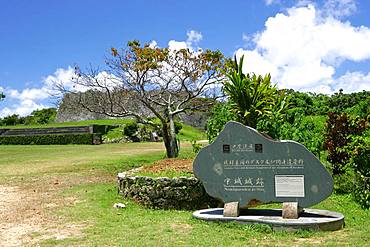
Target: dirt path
16, 217
25, 210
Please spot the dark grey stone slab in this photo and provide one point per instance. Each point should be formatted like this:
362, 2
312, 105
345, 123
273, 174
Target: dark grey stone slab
242, 165
310, 219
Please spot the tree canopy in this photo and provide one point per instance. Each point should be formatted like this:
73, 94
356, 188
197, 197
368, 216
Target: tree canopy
160, 81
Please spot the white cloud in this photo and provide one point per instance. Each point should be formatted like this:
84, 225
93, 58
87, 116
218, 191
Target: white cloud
302, 50
339, 8
353, 82
177, 45
5, 112
61, 75
269, 2
153, 44
21, 108
23, 102
194, 36
333, 8
30, 94
246, 38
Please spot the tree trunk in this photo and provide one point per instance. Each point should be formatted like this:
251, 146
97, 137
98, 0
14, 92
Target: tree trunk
169, 140
174, 145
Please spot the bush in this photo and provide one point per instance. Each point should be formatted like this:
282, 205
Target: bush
359, 152
253, 97
49, 139
343, 183
103, 129
362, 191
12, 120
339, 129
178, 127
305, 130
196, 146
43, 116
221, 114
130, 129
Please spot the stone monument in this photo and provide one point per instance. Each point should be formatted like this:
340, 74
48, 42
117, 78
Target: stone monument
243, 168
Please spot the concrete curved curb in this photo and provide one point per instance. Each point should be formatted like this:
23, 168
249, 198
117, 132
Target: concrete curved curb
310, 219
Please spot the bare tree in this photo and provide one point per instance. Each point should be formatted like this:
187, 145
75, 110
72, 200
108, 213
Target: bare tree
160, 81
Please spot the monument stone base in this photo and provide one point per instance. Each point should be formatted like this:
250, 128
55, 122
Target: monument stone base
231, 209
291, 210
309, 219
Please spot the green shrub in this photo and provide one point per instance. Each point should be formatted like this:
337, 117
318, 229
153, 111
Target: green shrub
359, 152
362, 191
343, 183
221, 114
12, 120
48, 139
130, 129
305, 130
102, 128
178, 127
340, 128
43, 116
196, 146
253, 97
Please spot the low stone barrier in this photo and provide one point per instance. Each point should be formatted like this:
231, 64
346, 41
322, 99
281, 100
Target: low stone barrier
91, 134
165, 193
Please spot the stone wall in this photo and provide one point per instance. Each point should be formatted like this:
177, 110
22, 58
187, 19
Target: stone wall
70, 111
165, 193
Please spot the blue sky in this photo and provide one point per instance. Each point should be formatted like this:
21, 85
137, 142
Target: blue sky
317, 46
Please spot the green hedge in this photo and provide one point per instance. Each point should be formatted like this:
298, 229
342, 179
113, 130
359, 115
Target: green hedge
102, 129
48, 139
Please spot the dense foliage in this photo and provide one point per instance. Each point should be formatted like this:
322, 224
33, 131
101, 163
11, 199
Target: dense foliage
333, 127
339, 129
359, 153
43, 116
221, 114
130, 129
252, 96
307, 130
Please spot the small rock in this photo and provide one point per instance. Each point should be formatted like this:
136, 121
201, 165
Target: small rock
119, 205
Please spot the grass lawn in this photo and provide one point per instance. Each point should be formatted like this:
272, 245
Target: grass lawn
64, 196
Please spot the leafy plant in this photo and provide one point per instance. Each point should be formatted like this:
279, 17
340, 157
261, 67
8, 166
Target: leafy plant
43, 116
130, 129
196, 146
271, 123
221, 114
12, 120
178, 127
252, 97
339, 127
307, 130
359, 153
